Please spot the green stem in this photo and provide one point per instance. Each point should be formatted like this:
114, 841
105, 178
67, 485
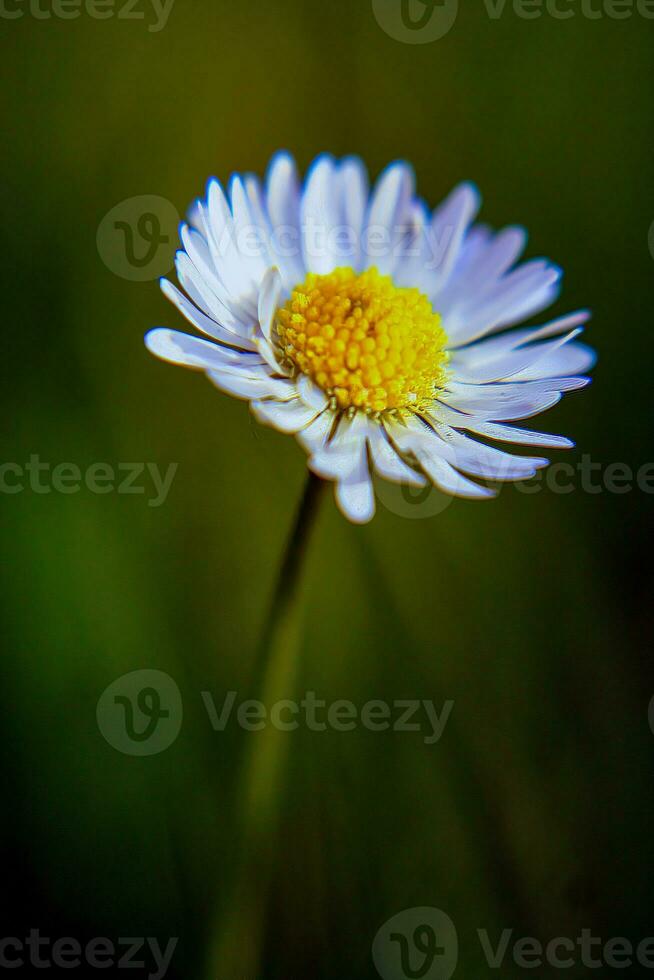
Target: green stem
238, 948
290, 572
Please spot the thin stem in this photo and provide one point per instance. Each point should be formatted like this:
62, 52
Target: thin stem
290, 571
238, 948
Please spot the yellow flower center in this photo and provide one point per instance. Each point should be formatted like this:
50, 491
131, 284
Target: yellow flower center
368, 344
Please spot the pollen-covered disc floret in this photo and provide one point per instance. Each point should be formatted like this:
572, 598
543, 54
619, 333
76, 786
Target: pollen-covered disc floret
369, 344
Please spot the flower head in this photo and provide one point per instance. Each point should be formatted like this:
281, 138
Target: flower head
373, 330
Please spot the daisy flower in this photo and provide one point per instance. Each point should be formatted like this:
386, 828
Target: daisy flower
373, 330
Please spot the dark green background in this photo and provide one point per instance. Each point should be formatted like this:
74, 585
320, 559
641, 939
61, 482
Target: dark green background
533, 613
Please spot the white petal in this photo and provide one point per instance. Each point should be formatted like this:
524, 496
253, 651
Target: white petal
446, 478
501, 253
352, 181
250, 238
392, 191
200, 291
386, 461
283, 199
354, 492
283, 191
501, 402
336, 458
310, 393
332, 463
514, 363
218, 216
482, 350
418, 256
223, 246
201, 320
195, 218
523, 293
269, 355
355, 495
387, 221
419, 440
484, 260
198, 252
193, 352
289, 416
521, 437
448, 229
201, 257
252, 388
485, 461
269, 297
572, 359
316, 435
319, 217
280, 243
259, 212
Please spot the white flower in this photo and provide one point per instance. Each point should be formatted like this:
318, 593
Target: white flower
372, 329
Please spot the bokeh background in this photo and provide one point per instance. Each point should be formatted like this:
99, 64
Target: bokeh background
533, 613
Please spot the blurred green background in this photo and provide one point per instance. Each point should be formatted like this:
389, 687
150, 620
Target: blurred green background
533, 614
